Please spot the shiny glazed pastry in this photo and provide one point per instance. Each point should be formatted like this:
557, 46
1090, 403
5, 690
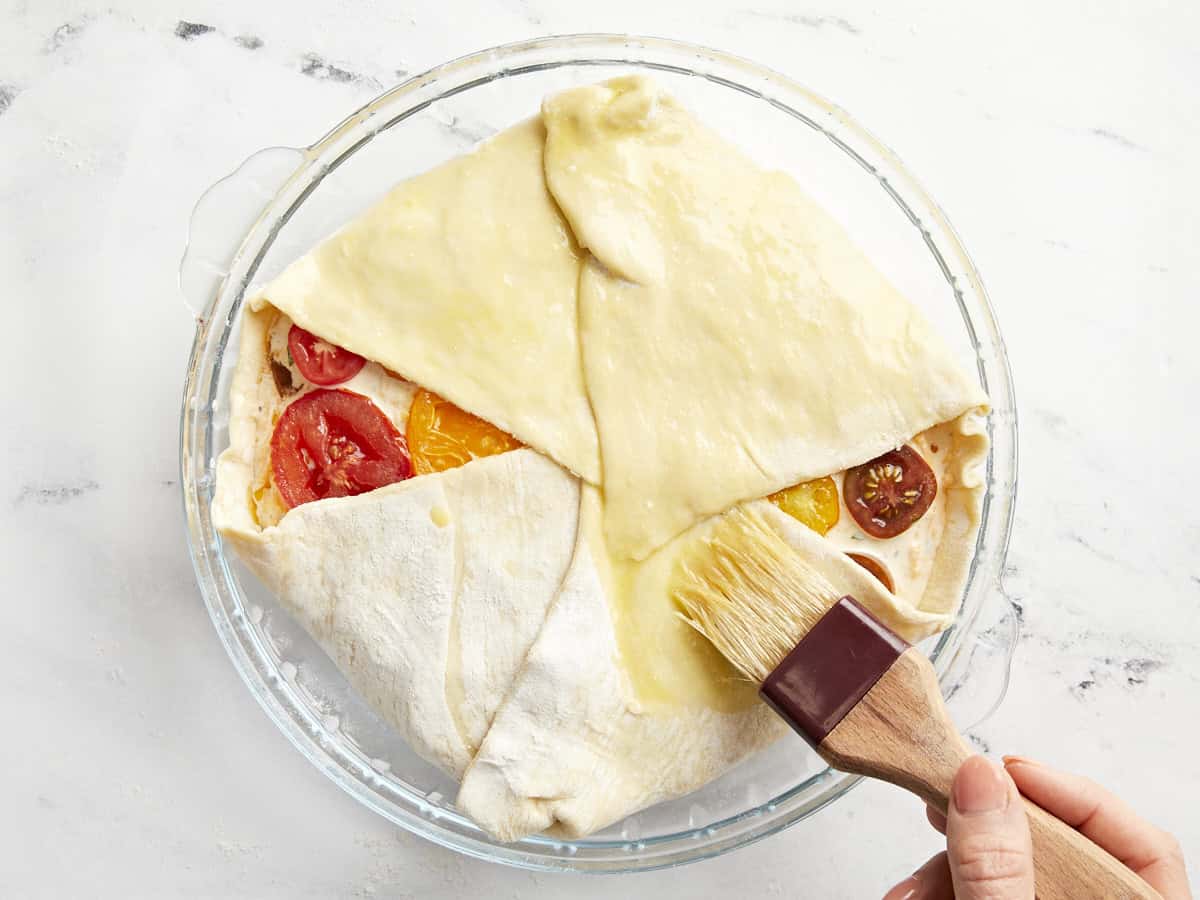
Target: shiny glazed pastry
473, 432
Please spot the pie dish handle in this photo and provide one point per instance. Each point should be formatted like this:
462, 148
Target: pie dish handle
224, 216
976, 679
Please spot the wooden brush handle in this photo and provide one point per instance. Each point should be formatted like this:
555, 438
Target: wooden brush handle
900, 732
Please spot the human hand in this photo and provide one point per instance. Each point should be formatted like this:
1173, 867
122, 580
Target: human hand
988, 851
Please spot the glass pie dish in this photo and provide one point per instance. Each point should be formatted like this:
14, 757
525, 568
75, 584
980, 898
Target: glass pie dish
281, 201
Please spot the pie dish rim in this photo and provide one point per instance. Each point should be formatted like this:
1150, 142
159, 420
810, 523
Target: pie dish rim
215, 280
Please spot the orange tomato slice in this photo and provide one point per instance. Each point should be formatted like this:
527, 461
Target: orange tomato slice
441, 436
815, 503
876, 568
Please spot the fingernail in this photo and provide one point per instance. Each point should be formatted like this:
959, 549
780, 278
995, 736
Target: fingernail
980, 787
905, 890
1020, 761
914, 885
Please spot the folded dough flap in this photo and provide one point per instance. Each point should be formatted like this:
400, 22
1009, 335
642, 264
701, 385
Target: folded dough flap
593, 731
573, 750
463, 280
728, 324
426, 593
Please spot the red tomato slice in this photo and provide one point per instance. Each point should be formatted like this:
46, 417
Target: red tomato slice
321, 362
335, 444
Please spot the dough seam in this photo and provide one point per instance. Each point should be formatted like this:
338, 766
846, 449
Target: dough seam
454, 688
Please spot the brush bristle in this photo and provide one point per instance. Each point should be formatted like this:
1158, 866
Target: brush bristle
751, 594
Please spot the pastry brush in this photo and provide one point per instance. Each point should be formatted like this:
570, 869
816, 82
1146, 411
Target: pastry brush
866, 701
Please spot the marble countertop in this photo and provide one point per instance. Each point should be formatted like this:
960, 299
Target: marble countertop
1061, 141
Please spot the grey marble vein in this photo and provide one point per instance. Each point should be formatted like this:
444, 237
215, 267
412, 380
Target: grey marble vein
1086, 543
188, 31
1114, 137
1055, 422
1129, 672
8, 93
531, 14
1137, 670
315, 66
55, 494
65, 33
469, 130
808, 21
980, 743
248, 41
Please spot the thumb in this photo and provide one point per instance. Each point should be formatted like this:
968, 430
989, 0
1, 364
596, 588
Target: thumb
987, 836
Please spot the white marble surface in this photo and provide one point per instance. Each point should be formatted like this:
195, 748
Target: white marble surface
1062, 139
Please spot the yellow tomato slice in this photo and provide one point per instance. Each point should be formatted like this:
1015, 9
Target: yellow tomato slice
815, 503
441, 436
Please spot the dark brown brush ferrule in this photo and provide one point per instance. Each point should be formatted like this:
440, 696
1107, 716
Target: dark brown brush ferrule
831, 669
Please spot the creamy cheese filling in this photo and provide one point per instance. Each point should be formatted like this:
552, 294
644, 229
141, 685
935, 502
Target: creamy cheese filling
907, 557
